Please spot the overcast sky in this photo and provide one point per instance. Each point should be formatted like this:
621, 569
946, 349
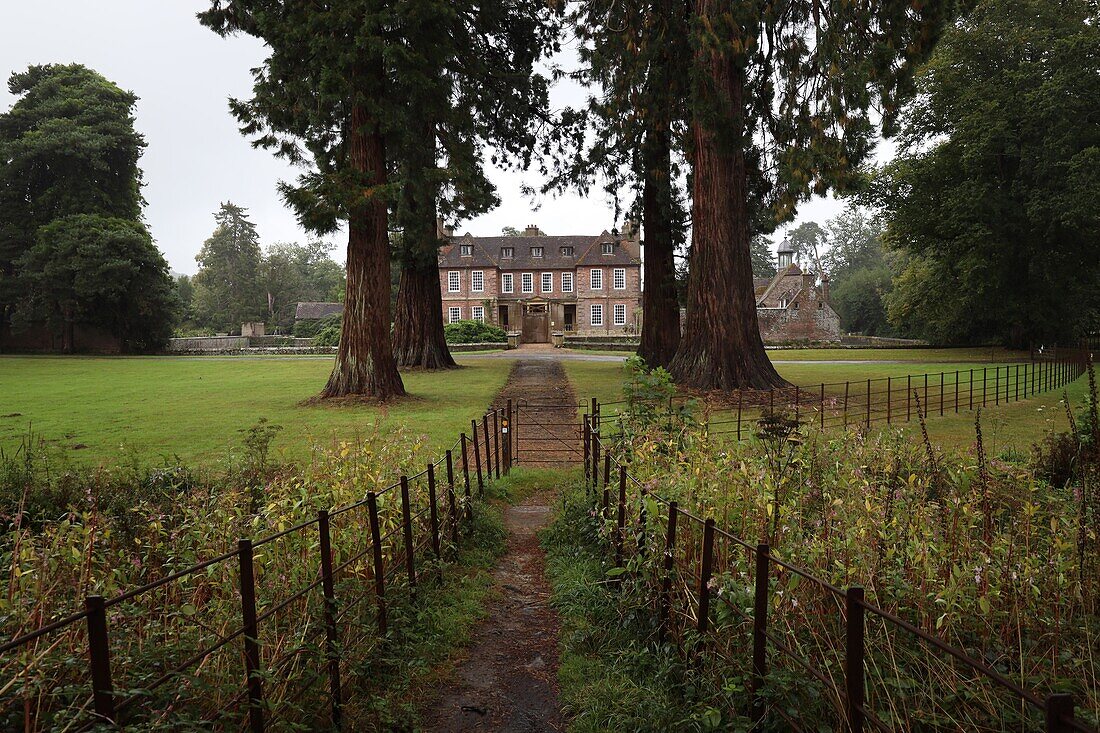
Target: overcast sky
196, 158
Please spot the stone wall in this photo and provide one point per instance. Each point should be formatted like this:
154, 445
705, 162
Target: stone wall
782, 325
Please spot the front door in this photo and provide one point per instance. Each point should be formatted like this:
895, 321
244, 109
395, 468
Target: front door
536, 324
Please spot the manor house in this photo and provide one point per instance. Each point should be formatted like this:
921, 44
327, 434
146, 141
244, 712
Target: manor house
538, 284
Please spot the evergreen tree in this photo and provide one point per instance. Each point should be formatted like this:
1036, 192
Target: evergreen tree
292, 273
67, 146
780, 108
991, 199
630, 134
323, 98
227, 284
101, 271
763, 258
465, 69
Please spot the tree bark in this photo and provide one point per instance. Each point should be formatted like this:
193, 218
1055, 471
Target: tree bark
660, 306
721, 348
418, 337
364, 359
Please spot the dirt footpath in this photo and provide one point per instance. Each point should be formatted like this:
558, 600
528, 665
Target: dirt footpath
547, 429
508, 680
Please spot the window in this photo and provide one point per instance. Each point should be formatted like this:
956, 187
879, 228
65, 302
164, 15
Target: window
466, 250
566, 251
454, 314
784, 303
567, 282
547, 282
607, 248
595, 280
527, 282
618, 278
620, 314
536, 251
507, 284
507, 252
477, 281
479, 313
454, 282
597, 315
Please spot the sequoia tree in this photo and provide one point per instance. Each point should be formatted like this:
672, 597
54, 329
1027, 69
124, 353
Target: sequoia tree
465, 70
631, 134
227, 285
781, 107
322, 99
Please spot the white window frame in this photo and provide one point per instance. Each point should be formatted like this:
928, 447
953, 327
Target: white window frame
595, 279
595, 315
454, 314
619, 320
478, 313
547, 282
465, 250
507, 283
507, 253
607, 248
536, 251
567, 282
477, 281
527, 282
454, 281
618, 275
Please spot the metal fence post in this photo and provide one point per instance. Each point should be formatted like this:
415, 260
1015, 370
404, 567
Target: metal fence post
433, 515
665, 600
332, 648
99, 659
908, 398
508, 439
477, 459
1059, 709
941, 394
740, 401
251, 636
496, 441
488, 453
705, 562
846, 386
643, 516
889, 398
407, 531
466, 471
797, 392
985, 380
606, 468
997, 386
868, 403
379, 566
822, 405
956, 391
587, 442
451, 499
853, 658
760, 631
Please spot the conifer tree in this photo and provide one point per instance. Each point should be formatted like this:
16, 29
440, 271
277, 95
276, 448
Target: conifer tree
781, 107
465, 70
322, 99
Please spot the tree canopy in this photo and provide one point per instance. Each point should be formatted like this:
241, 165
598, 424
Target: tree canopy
70, 187
991, 198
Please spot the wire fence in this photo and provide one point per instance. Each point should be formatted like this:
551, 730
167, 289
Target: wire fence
816, 656
220, 644
887, 400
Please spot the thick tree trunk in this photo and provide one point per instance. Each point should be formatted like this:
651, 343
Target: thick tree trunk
721, 348
660, 306
364, 360
418, 338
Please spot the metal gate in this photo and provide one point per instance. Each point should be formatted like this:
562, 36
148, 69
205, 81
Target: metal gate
547, 434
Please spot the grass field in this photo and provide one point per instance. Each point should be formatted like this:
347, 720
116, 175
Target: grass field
106, 410
194, 408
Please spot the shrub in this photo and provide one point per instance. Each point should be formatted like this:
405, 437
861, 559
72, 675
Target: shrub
312, 327
473, 332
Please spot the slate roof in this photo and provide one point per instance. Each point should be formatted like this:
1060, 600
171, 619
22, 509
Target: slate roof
486, 252
310, 311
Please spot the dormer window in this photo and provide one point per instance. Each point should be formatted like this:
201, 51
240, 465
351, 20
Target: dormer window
536, 251
607, 248
507, 252
566, 251
466, 250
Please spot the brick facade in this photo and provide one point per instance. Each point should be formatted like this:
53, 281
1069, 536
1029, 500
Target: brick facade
793, 306
565, 301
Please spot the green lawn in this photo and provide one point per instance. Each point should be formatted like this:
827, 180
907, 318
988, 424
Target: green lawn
194, 408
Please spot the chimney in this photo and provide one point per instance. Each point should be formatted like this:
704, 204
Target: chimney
532, 231
630, 230
825, 287
442, 229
